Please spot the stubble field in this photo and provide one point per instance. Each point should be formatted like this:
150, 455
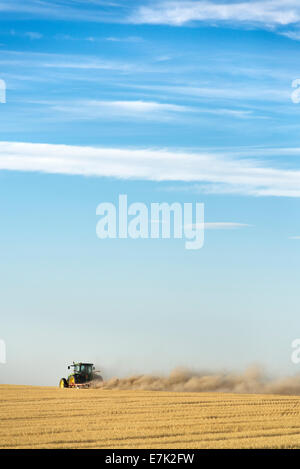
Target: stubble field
41, 417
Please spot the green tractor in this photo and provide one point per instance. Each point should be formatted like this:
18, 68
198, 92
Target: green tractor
82, 376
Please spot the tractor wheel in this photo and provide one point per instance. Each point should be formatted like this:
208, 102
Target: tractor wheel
71, 381
63, 383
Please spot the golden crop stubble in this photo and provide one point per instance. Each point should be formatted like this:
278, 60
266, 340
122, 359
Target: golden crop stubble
36, 417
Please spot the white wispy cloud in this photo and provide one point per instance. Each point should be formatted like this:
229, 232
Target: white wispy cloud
264, 13
85, 10
89, 65
177, 13
294, 35
241, 114
150, 110
219, 225
236, 92
95, 109
224, 225
33, 35
29, 34
124, 39
294, 237
61, 61
209, 225
137, 106
215, 172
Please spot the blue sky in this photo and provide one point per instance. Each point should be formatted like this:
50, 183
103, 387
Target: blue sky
164, 101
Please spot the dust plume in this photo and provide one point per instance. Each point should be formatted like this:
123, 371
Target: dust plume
253, 380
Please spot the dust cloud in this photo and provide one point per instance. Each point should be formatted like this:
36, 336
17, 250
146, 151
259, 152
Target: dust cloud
253, 380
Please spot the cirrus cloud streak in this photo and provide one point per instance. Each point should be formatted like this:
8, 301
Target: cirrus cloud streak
175, 13
213, 172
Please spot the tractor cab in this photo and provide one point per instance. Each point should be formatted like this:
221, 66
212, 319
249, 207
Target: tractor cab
82, 369
82, 375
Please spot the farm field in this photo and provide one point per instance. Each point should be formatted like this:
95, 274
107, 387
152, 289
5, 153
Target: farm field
41, 417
